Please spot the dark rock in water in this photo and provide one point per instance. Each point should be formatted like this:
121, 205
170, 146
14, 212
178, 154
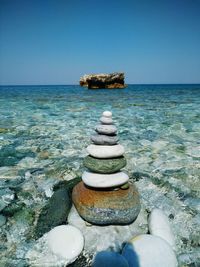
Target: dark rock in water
2, 220
110, 259
10, 156
54, 213
6, 197
95, 81
13, 208
57, 209
103, 207
101, 139
68, 185
104, 165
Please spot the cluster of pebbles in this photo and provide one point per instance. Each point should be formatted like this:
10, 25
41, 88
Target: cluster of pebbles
104, 196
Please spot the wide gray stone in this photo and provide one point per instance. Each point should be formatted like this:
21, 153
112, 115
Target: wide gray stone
105, 207
101, 139
106, 120
106, 129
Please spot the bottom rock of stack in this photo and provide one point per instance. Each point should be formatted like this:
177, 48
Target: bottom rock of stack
104, 207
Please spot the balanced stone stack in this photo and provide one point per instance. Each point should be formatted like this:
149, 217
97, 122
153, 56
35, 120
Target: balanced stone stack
104, 196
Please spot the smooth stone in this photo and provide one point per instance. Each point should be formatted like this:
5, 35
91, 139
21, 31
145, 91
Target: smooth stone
104, 165
104, 180
104, 207
2, 220
109, 259
125, 186
66, 241
106, 120
149, 250
107, 114
106, 129
101, 139
104, 152
159, 226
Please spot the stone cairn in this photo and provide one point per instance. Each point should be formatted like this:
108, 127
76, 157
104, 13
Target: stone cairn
104, 196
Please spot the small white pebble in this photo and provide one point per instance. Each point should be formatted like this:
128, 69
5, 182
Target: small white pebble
66, 241
107, 114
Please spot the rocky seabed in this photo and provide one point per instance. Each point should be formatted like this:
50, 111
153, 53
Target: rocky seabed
42, 152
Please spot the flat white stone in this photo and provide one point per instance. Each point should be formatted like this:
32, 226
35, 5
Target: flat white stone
107, 114
104, 180
106, 120
106, 129
153, 251
159, 226
105, 152
65, 241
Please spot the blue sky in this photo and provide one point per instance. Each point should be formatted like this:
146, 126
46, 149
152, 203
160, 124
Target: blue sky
57, 41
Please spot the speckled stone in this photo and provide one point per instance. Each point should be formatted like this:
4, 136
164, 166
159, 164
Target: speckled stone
106, 129
104, 207
104, 165
101, 139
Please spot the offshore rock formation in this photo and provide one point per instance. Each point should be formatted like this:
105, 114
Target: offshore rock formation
96, 81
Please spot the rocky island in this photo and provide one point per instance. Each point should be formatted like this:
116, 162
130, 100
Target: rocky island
97, 81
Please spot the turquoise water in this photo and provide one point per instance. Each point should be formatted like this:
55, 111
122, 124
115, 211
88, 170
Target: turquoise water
44, 131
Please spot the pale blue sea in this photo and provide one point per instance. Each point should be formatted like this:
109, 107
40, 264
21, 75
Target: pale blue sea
44, 131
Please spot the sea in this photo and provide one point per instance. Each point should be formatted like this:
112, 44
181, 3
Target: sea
44, 132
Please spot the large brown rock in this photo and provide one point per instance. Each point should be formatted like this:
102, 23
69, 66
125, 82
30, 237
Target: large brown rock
103, 207
95, 81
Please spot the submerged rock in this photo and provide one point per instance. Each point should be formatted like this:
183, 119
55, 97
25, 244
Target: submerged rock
6, 197
95, 81
2, 220
54, 213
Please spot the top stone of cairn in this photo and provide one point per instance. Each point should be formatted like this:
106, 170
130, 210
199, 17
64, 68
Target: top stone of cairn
107, 114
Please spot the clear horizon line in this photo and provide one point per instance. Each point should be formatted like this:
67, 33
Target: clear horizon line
76, 84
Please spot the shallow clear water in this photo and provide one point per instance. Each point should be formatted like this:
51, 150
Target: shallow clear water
44, 131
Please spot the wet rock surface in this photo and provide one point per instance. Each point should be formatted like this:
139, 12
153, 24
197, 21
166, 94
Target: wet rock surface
96, 81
